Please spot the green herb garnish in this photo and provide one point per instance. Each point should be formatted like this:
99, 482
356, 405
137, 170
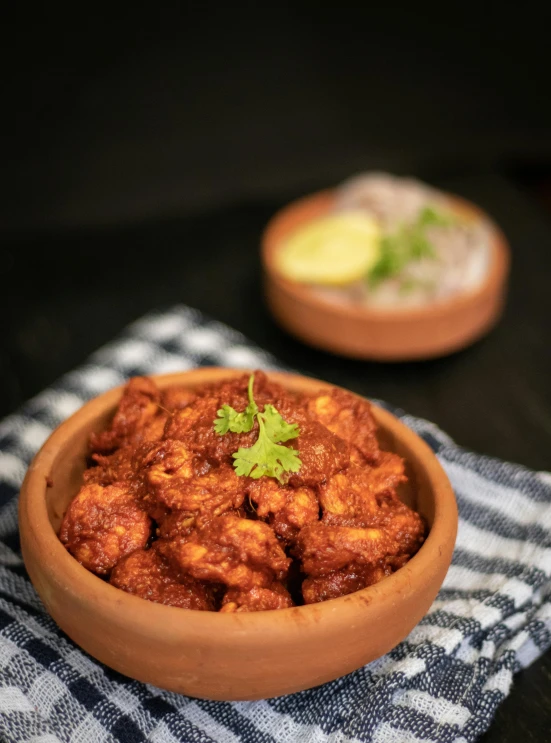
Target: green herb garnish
267, 456
230, 420
407, 286
429, 217
408, 243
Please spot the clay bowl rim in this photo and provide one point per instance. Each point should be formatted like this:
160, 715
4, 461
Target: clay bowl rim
319, 203
144, 616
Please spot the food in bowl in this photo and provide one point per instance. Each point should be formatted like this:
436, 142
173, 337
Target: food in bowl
389, 242
240, 496
228, 655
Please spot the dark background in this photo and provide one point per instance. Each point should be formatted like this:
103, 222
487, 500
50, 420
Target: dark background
144, 152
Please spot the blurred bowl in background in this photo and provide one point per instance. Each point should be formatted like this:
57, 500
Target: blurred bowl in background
376, 333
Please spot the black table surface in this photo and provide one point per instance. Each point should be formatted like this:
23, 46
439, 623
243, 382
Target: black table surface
66, 293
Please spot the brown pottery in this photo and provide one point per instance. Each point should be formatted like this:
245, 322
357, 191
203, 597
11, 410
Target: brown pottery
437, 329
228, 656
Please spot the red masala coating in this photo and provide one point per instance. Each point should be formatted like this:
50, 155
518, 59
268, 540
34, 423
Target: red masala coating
286, 509
147, 574
176, 524
163, 511
352, 496
401, 523
102, 525
175, 398
237, 552
138, 417
215, 492
322, 454
350, 418
115, 467
323, 549
341, 582
275, 596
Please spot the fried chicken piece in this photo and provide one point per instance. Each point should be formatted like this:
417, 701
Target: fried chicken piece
292, 407
365, 497
341, 582
111, 468
288, 509
321, 452
214, 493
147, 574
102, 525
324, 548
195, 427
193, 423
237, 552
349, 417
405, 526
176, 398
356, 457
275, 596
159, 467
176, 524
350, 497
153, 430
217, 449
182, 523
137, 411
302, 508
172, 479
184, 421
346, 498
156, 511
388, 473
161, 461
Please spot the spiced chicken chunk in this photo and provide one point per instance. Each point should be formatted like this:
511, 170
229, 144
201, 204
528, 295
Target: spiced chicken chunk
240, 496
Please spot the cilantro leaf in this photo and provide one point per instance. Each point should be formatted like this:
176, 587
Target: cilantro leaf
429, 216
420, 246
230, 420
277, 429
408, 243
266, 456
391, 261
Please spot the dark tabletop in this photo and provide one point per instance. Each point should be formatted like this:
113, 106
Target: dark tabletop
65, 293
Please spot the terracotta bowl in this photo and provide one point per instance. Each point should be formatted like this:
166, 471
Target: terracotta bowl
380, 334
227, 656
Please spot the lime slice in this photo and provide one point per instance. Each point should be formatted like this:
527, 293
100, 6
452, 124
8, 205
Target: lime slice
332, 250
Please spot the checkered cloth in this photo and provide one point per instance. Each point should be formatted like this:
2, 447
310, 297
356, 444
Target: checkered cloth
443, 683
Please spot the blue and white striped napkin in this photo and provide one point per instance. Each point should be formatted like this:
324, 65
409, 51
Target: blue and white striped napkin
443, 683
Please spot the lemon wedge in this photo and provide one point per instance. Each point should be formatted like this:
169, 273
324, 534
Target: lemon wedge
332, 250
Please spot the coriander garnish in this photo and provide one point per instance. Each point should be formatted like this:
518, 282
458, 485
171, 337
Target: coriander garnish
230, 420
266, 456
408, 243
